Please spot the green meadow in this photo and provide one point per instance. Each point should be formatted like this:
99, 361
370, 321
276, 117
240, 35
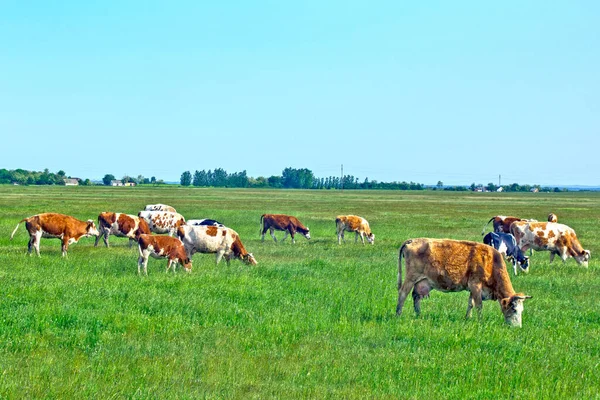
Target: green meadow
311, 320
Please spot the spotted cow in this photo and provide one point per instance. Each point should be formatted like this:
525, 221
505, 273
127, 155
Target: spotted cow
552, 217
120, 225
52, 225
353, 223
506, 244
282, 222
210, 239
162, 221
159, 207
550, 236
452, 266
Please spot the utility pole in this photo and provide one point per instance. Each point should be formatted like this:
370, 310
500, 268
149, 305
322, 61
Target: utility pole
499, 180
342, 178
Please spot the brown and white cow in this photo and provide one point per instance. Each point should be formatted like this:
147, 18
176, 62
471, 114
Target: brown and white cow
552, 217
452, 266
52, 225
282, 222
120, 225
159, 207
162, 221
551, 236
210, 239
162, 247
353, 223
501, 223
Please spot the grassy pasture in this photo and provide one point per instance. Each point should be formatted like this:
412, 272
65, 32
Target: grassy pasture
312, 320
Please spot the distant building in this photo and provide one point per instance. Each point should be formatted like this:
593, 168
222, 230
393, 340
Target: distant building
129, 184
116, 182
534, 190
71, 181
500, 189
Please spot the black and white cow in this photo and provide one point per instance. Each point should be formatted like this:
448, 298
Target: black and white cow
204, 221
506, 245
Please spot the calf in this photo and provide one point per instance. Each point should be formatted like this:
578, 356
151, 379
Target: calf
205, 221
282, 222
120, 225
162, 247
551, 236
51, 225
159, 207
552, 217
222, 241
162, 221
353, 223
506, 244
452, 266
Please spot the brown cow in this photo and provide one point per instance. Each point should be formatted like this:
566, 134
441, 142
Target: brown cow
353, 223
162, 247
501, 223
452, 266
51, 225
554, 237
120, 225
282, 222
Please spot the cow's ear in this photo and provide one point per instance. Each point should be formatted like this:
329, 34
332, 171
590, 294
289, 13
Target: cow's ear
522, 297
505, 302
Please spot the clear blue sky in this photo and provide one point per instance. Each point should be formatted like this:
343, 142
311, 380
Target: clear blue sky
457, 91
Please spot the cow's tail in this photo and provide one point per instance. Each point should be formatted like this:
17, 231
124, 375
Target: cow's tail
400, 255
487, 223
262, 224
13, 232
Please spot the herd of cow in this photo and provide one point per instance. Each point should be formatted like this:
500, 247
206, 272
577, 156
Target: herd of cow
443, 264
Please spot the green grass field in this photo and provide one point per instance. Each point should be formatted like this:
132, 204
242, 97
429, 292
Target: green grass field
311, 320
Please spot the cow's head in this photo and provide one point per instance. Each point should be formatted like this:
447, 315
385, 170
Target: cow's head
90, 229
583, 258
187, 264
371, 238
524, 263
249, 259
307, 234
512, 308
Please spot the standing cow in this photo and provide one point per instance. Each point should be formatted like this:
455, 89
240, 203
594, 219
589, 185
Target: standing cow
551, 236
162, 221
222, 241
159, 207
52, 225
452, 266
353, 223
162, 247
506, 244
552, 217
501, 223
282, 222
120, 225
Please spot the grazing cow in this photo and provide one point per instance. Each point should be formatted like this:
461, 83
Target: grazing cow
551, 236
501, 223
452, 266
120, 225
51, 225
162, 247
552, 217
205, 221
506, 244
162, 221
353, 223
159, 207
209, 239
282, 222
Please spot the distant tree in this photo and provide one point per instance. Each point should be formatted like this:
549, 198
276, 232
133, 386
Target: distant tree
274, 181
107, 178
440, 185
186, 178
153, 180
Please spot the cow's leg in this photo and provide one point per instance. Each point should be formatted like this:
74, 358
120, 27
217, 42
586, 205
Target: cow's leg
362, 237
142, 261
403, 292
219, 256
169, 265
98, 237
475, 297
514, 263
37, 240
356, 237
342, 236
130, 243
417, 301
293, 234
552, 254
272, 232
285, 235
31, 244
227, 258
65, 246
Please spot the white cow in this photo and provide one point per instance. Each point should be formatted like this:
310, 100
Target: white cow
162, 221
159, 207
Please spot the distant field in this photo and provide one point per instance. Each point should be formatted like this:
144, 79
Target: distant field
311, 320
